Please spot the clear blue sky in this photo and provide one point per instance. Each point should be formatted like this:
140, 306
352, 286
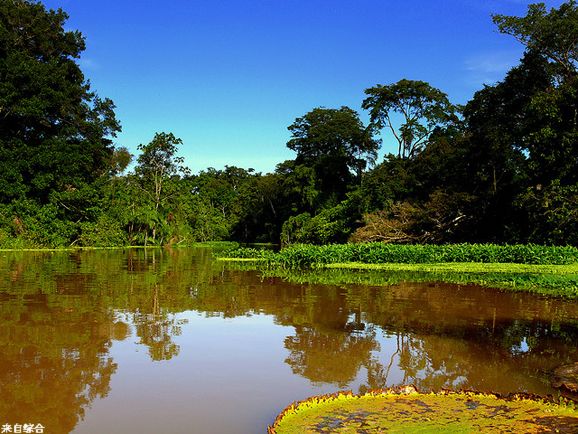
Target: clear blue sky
229, 76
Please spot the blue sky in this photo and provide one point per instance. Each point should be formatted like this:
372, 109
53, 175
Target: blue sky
229, 76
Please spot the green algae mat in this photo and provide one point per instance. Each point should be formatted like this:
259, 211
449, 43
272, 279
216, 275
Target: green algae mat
407, 411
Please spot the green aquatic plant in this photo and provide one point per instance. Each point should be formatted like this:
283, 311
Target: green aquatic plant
304, 255
550, 284
549, 271
406, 410
250, 253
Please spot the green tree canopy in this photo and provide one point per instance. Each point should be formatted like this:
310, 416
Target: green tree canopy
55, 133
423, 108
338, 134
158, 160
552, 33
157, 174
336, 144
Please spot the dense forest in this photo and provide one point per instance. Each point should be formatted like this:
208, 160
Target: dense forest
502, 168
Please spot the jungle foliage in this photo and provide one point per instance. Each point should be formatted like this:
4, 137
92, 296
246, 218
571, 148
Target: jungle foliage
501, 169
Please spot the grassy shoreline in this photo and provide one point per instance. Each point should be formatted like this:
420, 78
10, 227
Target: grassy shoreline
200, 244
550, 271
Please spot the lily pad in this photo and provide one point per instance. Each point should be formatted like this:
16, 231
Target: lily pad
566, 377
406, 410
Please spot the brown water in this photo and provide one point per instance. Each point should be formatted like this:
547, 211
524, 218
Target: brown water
171, 342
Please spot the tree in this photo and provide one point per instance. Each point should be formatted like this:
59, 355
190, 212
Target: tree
298, 187
331, 225
520, 149
552, 112
390, 181
553, 34
423, 108
394, 225
157, 168
264, 209
499, 124
119, 161
55, 133
552, 213
157, 163
336, 144
337, 133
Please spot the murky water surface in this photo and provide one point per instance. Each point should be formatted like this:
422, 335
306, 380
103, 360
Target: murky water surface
171, 342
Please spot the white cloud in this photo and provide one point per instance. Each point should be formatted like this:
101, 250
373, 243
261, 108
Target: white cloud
488, 68
88, 64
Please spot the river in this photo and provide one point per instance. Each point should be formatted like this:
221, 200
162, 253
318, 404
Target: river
172, 341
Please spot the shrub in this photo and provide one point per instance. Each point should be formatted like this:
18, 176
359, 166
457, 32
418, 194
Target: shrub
105, 232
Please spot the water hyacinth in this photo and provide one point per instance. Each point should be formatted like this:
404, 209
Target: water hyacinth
304, 255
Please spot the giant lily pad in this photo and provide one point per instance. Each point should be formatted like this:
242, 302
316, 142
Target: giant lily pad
566, 377
406, 410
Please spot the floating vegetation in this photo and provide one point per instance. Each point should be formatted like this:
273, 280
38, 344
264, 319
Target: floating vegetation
464, 267
406, 410
305, 255
552, 281
551, 271
566, 377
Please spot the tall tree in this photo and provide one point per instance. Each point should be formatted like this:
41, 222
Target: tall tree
552, 33
157, 163
336, 144
55, 133
158, 167
422, 107
500, 127
551, 114
543, 122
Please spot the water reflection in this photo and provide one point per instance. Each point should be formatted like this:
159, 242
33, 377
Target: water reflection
325, 356
54, 359
61, 314
156, 329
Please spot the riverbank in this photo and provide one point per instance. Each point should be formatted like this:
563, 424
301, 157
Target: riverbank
200, 244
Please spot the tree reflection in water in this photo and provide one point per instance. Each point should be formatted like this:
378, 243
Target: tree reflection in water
54, 360
329, 357
157, 328
60, 313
